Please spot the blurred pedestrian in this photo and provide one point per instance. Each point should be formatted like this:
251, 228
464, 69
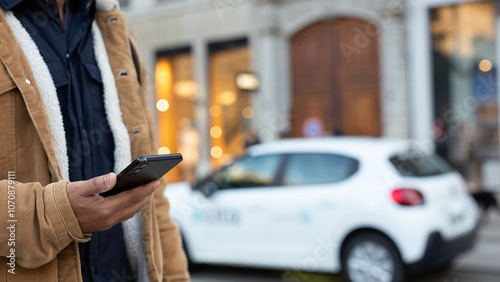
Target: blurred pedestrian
252, 138
74, 108
441, 140
336, 132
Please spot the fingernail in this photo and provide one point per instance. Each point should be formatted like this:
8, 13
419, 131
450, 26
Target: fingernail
157, 184
106, 179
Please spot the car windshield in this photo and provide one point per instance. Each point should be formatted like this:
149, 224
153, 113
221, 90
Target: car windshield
420, 165
247, 172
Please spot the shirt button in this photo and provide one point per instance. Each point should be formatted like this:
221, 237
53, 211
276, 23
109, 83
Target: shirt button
93, 269
28, 81
67, 55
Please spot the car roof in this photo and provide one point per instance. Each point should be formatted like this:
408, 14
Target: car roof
360, 147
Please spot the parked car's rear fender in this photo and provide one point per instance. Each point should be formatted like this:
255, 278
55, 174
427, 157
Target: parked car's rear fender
409, 239
356, 232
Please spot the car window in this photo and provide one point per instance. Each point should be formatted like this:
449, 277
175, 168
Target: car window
420, 165
249, 172
318, 168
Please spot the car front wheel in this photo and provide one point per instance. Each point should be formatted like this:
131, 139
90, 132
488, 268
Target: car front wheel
371, 257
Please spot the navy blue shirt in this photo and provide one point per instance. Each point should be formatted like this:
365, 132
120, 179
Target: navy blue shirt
68, 52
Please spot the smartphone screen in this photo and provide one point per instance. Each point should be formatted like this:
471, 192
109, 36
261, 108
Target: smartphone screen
142, 171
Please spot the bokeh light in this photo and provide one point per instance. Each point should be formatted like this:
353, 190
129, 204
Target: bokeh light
216, 152
247, 81
485, 65
227, 98
162, 105
163, 151
247, 112
215, 131
215, 111
186, 89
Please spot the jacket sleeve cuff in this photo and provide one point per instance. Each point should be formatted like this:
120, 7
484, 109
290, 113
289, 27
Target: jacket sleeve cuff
62, 215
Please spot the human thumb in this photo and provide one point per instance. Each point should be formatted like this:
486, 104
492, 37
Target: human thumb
97, 185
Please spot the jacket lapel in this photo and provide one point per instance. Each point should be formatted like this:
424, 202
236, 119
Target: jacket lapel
113, 27
12, 56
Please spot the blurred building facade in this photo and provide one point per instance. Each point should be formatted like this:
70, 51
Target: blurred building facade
225, 73
452, 77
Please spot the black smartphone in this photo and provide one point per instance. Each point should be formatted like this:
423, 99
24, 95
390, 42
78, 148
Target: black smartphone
142, 171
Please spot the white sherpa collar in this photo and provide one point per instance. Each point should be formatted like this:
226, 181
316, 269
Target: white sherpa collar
47, 88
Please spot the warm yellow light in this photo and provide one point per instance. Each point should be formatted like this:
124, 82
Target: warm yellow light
227, 98
163, 70
215, 131
247, 112
186, 89
162, 105
216, 152
485, 65
247, 81
163, 151
214, 111
163, 78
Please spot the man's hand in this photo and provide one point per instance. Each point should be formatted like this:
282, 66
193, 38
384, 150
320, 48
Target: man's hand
97, 213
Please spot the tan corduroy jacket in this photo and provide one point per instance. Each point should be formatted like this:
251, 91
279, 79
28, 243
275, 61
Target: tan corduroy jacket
46, 229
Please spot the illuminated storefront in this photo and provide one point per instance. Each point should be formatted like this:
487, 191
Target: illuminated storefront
176, 92
465, 92
453, 76
230, 110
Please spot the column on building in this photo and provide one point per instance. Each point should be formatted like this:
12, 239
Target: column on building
419, 66
270, 60
394, 93
202, 122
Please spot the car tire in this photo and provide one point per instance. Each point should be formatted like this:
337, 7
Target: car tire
371, 256
444, 266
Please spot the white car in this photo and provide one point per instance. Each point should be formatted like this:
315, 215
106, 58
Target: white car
372, 208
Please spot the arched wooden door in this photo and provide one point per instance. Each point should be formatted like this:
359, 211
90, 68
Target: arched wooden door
336, 78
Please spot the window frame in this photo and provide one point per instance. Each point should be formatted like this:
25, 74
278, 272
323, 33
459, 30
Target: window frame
276, 177
392, 159
356, 165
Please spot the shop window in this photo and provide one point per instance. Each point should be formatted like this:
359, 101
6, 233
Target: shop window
465, 91
230, 109
176, 94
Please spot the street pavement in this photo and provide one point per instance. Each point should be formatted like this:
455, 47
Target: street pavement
481, 264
